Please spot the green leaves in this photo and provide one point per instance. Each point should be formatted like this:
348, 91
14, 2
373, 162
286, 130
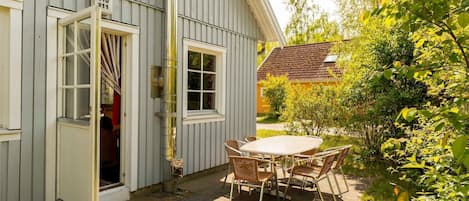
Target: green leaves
388, 74
459, 151
409, 114
463, 20
275, 91
459, 147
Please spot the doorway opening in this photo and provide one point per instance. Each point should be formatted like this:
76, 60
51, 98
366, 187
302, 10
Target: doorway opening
110, 124
81, 104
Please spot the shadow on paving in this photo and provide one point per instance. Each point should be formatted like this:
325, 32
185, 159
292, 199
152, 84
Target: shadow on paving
210, 187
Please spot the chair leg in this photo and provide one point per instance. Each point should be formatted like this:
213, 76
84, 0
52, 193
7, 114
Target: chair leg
345, 180
231, 192
337, 183
262, 191
284, 161
319, 191
288, 185
227, 173
303, 184
330, 186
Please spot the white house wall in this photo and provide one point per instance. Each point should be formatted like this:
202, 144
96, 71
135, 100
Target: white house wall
226, 23
149, 17
230, 24
9, 170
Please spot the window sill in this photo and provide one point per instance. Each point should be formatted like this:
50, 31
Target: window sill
203, 118
9, 135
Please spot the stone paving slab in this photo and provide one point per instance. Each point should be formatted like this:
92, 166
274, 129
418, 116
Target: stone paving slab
210, 187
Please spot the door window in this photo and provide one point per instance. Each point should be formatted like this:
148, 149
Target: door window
75, 84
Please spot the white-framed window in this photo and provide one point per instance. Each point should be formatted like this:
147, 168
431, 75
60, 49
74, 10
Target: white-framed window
262, 92
204, 82
75, 71
10, 65
331, 58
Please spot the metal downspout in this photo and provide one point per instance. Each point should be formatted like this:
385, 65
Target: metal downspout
169, 95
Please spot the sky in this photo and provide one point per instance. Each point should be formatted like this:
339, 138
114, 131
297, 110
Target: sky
283, 16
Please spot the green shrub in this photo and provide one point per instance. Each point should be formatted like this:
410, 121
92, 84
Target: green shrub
311, 110
275, 91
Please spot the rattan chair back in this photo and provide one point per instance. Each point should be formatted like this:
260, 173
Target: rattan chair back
250, 138
328, 161
341, 157
310, 152
245, 168
232, 148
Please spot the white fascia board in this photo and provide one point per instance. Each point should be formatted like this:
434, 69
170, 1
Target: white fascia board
273, 22
267, 21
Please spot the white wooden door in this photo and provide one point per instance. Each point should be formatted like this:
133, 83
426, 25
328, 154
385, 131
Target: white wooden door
79, 106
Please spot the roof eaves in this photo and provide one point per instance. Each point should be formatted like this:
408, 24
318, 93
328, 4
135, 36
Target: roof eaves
265, 16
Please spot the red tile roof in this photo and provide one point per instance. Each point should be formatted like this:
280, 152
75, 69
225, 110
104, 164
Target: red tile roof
300, 62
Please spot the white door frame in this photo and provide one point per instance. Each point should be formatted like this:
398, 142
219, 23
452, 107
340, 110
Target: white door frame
129, 101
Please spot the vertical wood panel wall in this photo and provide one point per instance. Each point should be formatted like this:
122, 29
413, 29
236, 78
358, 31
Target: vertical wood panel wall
230, 24
9, 170
227, 23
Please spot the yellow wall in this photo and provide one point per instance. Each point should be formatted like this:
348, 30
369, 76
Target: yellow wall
263, 104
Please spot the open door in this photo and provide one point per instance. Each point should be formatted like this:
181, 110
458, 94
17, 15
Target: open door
79, 106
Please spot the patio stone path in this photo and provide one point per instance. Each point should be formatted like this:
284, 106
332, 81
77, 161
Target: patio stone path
209, 187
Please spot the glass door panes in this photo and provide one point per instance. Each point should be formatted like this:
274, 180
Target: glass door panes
201, 83
75, 83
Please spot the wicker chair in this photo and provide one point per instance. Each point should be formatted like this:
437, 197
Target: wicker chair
250, 138
231, 149
313, 172
343, 151
246, 169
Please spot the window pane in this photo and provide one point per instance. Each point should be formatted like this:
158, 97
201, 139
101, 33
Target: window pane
83, 68
193, 101
68, 103
69, 70
194, 60
209, 63
209, 101
83, 103
193, 81
83, 36
209, 81
69, 38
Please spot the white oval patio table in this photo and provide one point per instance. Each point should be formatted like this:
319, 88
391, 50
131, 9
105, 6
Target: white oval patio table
284, 145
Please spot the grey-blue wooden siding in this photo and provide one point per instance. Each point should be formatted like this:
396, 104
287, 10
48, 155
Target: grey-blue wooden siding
149, 17
226, 23
9, 170
230, 24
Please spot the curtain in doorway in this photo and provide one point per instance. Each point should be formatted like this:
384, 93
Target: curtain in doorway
111, 70
111, 61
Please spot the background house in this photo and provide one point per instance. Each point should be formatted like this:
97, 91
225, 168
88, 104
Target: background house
303, 64
47, 148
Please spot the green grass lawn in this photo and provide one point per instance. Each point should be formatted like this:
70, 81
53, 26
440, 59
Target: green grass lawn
267, 119
371, 170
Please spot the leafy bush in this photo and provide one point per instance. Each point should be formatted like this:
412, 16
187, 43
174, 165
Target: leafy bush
275, 91
377, 94
435, 153
311, 109
423, 159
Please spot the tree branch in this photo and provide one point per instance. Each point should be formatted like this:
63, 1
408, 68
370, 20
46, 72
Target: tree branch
447, 29
461, 48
